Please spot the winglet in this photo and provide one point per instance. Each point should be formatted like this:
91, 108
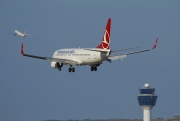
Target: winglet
155, 44
22, 49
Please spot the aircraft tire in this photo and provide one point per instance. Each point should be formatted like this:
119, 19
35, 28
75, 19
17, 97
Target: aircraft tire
70, 69
95, 68
73, 69
92, 69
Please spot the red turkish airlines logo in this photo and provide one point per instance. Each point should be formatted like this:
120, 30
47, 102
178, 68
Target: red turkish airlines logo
106, 40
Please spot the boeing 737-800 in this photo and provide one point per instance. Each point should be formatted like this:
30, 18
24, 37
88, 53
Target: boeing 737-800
85, 56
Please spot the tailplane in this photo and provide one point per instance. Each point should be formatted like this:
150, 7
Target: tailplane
105, 44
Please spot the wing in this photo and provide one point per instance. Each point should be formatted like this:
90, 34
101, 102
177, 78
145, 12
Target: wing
123, 49
121, 56
64, 61
27, 34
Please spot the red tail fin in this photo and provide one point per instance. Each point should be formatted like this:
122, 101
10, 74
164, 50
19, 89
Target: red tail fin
105, 44
22, 49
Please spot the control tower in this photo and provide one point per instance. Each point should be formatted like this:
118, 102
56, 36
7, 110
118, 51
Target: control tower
147, 100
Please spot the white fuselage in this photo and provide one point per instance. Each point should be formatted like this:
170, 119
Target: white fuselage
82, 56
19, 33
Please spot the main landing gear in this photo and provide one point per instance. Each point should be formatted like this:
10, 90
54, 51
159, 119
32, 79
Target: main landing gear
71, 69
93, 68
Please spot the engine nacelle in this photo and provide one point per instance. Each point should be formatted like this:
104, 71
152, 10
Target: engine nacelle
56, 64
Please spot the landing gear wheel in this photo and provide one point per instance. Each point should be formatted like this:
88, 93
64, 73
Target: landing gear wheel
70, 69
95, 68
73, 69
92, 68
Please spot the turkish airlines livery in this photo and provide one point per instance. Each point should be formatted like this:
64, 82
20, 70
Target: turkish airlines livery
86, 56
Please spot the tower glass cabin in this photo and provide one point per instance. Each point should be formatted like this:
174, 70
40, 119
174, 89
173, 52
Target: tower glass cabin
147, 100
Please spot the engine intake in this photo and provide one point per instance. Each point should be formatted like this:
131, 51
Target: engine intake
56, 64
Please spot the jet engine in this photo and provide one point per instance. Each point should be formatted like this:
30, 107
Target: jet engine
56, 64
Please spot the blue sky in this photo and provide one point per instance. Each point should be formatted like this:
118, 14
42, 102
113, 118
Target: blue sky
31, 90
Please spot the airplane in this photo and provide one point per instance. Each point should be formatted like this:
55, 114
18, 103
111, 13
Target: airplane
86, 56
18, 33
